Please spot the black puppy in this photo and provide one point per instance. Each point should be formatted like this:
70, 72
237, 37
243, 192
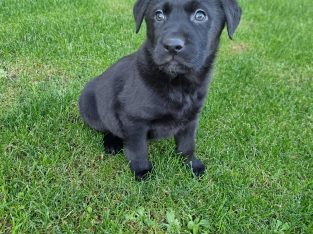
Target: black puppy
159, 90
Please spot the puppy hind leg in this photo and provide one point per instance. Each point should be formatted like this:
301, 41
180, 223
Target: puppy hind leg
112, 144
89, 112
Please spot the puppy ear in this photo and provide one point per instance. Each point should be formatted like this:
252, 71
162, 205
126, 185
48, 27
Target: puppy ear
139, 12
233, 14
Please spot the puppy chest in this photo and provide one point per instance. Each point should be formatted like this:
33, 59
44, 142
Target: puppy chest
167, 126
170, 122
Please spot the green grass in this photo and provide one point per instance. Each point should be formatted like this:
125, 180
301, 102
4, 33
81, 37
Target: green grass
255, 132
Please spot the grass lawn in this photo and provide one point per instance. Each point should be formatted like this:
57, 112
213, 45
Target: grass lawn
255, 135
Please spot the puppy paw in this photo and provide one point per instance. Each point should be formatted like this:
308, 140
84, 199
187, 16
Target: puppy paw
141, 169
112, 144
198, 168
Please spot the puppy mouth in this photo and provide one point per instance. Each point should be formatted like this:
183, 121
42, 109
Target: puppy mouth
175, 66
173, 60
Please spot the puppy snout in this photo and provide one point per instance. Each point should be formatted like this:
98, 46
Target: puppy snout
174, 45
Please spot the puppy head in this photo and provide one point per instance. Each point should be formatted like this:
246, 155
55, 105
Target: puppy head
181, 33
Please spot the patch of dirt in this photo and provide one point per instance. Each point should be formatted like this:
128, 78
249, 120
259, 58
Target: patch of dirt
5, 225
239, 48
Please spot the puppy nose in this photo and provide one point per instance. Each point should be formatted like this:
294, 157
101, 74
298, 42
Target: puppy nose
174, 45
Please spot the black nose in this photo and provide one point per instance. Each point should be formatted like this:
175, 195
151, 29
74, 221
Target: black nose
174, 45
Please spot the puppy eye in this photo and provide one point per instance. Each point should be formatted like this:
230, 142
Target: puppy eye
200, 16
159, 15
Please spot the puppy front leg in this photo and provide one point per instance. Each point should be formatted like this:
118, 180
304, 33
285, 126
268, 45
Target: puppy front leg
185, 145
137, 152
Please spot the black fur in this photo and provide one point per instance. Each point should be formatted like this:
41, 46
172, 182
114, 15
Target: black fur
159, 91
112, 144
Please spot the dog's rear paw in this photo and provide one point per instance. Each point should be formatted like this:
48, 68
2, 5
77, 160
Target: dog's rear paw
141, 169
112, 144
198, 168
